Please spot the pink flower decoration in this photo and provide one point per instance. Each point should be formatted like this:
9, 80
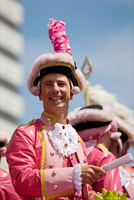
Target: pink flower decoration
75, 90
35, 91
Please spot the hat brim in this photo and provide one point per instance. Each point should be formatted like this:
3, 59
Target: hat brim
90, 124
62, 68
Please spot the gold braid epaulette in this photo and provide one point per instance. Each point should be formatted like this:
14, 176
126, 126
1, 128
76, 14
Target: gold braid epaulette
102, 147
29, 123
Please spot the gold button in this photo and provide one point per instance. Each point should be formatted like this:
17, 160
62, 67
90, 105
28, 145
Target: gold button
49, 120
71, 158
78, 140
51, 165
132, 175
84, 160
90, 137
55, 187
54, 173
74, 198
52, 153
48, 132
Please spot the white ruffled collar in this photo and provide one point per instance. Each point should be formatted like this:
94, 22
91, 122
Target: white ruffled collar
64, 139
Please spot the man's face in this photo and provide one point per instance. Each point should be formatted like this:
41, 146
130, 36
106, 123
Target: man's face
55, 93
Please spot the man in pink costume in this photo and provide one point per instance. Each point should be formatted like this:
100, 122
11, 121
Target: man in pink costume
94, 125
46, 156
118, 145
6, 188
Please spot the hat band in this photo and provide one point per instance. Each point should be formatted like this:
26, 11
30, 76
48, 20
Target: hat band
91, 137
59, 67
124, 136
90, 124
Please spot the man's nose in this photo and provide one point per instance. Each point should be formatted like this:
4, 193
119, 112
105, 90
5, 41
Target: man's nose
56, 87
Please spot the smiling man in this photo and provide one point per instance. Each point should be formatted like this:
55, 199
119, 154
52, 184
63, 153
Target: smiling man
46, 157
55, 94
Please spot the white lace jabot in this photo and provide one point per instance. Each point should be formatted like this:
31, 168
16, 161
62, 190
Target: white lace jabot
64, 138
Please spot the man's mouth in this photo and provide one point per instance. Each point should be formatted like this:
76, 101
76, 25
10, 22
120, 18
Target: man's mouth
56, 98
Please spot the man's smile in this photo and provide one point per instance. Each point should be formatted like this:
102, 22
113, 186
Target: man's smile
56, 98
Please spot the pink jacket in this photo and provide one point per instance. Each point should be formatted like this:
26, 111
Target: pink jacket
35, 167
6, 188
100, 156
129, 186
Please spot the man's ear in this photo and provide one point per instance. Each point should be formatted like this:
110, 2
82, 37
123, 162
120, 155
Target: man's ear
71, 96
40, 97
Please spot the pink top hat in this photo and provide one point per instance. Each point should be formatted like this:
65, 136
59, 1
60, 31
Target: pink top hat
60, 62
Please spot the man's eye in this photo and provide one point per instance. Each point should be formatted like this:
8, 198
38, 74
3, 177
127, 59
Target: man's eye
61, 83
48, 84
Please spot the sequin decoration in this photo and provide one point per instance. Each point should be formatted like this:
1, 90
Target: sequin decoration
59, 135
70, 140
65, 145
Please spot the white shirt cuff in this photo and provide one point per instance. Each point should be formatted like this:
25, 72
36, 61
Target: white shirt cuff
76, 178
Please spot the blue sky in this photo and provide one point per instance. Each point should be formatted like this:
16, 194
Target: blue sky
102, 29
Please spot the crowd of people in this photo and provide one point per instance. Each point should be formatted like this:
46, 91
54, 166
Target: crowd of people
60, 155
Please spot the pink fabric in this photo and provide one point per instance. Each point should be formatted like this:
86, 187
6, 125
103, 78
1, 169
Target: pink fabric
36, 89
6, 188
129, 186
24, 157
77, 116
112, 179
58, 37
122, 124
93, 132
94, 137
4, 137
74, 89
70, 162
116, 137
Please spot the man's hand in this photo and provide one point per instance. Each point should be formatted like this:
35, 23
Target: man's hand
91, 173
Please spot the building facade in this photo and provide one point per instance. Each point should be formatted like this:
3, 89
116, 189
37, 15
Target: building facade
11, 71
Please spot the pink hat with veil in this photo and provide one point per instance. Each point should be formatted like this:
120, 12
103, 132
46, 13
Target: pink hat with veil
4, 140
60, 62
91, 122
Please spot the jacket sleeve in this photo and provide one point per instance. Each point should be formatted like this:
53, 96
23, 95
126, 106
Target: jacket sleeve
6, 188
112, 179
24, 160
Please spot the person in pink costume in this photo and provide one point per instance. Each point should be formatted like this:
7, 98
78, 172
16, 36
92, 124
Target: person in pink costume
6, 188
94, 124
46, 157
118, 145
